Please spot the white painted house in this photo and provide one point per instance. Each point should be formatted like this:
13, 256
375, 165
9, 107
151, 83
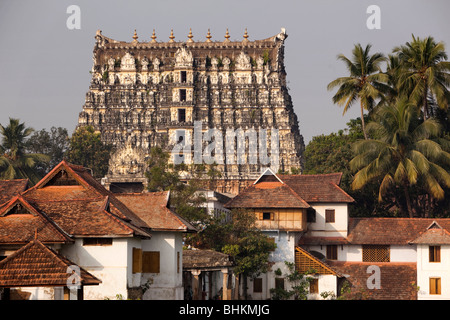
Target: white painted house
355, 258
132, 245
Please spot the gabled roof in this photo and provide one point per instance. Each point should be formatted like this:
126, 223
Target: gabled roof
290, 191
315, 188
81, 205
401, 231
434, 234
152, 208
19, 221
10, 188
37, 265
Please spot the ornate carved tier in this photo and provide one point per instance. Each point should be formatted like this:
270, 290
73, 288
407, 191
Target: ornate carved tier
145, 94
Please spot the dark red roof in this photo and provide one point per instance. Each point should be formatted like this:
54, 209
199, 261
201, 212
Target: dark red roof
37, 265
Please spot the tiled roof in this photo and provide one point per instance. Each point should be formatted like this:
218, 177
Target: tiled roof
290, 191
389, 230
267, 195
19, 222
205, 259
37, 265
71, 197
10, 188
152, 208
317, 187
398, 281
434, 235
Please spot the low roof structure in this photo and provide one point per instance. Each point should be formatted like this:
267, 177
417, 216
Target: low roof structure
35, 265
205, 260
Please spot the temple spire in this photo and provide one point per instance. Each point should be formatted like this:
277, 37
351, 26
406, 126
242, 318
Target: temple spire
171, 37
153, 36
190, 36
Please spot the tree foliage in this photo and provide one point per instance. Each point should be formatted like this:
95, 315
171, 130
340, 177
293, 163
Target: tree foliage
15, 162
87, 149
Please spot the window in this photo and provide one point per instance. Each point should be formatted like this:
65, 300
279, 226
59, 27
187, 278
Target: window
257, 285
313, 285
97, 241
182, 94
310, 215
329, 215
332, 252
435, 285
267, 215
181, 115
137, 260
375, 253
434, 253
279, 283
183, 76
150, 262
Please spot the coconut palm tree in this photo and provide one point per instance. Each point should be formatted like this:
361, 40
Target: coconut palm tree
365, 83
404, 153
424, 72
14, 162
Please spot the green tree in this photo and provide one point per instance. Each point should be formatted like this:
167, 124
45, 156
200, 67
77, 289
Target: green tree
365, 83
299, 284
185, 198
87, 149
424, 72
407, 151
248, 246
53, 143
15, 162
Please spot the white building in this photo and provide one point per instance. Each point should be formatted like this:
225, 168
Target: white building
132, 245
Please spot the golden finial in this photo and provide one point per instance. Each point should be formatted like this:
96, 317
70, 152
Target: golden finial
171, 37
208, 36
190, 36
227, 36
245, 35
153, 36
135, 37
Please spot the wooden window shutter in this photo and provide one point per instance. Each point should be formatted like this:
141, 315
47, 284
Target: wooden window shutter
434, 253
314, 286
272, 216
137, 260
257, 285
329, 215
150, 262
435, 285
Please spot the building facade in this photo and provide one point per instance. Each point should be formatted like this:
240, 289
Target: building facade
191, 94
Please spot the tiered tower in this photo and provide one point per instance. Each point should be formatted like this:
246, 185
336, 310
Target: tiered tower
145, 94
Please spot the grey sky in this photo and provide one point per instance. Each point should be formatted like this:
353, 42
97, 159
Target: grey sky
44, 66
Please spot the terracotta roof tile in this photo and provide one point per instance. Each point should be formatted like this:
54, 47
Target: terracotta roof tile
10, 188
397, 280
37, 265
317, 187
270, 195
389, 230
152, 208
205, 259
19, 222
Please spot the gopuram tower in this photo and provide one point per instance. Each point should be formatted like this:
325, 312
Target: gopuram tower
168, 94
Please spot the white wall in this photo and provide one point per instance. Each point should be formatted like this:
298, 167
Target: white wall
107, 263
168, 284
320, 228
427, 270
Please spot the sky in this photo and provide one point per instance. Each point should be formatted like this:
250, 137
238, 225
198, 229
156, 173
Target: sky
44, 65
